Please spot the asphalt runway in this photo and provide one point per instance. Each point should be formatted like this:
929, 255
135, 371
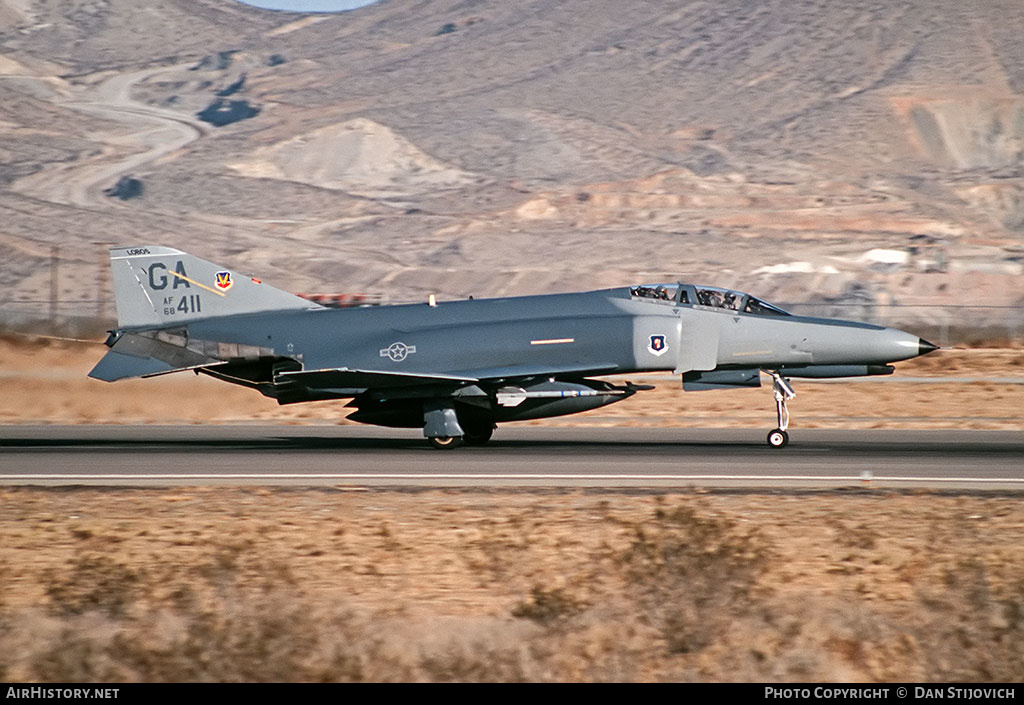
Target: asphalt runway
353, 457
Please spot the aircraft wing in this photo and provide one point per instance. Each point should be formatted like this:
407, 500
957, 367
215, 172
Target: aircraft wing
345, 378
514, 372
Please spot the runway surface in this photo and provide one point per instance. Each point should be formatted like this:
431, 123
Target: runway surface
350, 456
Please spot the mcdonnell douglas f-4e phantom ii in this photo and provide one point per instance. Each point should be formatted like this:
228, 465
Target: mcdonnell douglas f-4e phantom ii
458, 368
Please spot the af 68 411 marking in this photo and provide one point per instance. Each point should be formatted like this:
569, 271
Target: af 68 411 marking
187, 304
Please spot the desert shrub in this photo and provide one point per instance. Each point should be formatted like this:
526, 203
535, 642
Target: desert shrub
94, 582
75, 657
267, 638
973, 626
548, 606
692, 572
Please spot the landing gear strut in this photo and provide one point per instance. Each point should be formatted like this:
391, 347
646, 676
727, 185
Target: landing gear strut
783, 393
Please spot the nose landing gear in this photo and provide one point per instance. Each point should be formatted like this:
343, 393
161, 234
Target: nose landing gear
783, 391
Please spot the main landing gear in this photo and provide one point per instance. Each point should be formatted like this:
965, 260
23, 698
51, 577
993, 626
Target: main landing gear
445, 430
779, 438
475, 434
446, 442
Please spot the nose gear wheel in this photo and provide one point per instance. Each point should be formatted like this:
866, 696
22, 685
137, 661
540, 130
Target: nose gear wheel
783, 391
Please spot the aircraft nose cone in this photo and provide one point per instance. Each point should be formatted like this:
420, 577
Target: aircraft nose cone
924, 347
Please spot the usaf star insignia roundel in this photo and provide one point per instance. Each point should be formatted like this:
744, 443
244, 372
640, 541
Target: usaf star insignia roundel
657, 346
397, 352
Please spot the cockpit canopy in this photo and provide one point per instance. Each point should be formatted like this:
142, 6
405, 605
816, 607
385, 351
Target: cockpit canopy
660, 292
706, 296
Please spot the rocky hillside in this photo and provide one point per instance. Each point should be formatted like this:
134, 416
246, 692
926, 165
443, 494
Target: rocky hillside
810, 151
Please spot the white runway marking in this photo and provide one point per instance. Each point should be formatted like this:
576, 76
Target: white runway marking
548, 477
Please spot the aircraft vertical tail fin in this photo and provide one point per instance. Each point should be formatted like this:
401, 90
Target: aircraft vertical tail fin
159, 286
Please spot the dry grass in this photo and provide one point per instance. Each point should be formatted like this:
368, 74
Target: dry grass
307, 585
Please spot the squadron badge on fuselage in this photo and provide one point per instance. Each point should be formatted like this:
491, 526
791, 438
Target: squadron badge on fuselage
657, 346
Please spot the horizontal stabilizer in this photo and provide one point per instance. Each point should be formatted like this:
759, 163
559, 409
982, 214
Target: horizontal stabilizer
140, 356
114, 366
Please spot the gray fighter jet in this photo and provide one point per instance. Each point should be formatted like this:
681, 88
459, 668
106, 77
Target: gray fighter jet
458, 368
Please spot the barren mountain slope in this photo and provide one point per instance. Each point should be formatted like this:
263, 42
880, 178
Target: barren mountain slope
804, 150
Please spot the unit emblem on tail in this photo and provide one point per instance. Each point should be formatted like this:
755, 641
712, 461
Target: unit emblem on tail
224, 281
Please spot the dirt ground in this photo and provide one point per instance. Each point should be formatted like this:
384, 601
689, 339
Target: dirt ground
262, 584
255, 584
